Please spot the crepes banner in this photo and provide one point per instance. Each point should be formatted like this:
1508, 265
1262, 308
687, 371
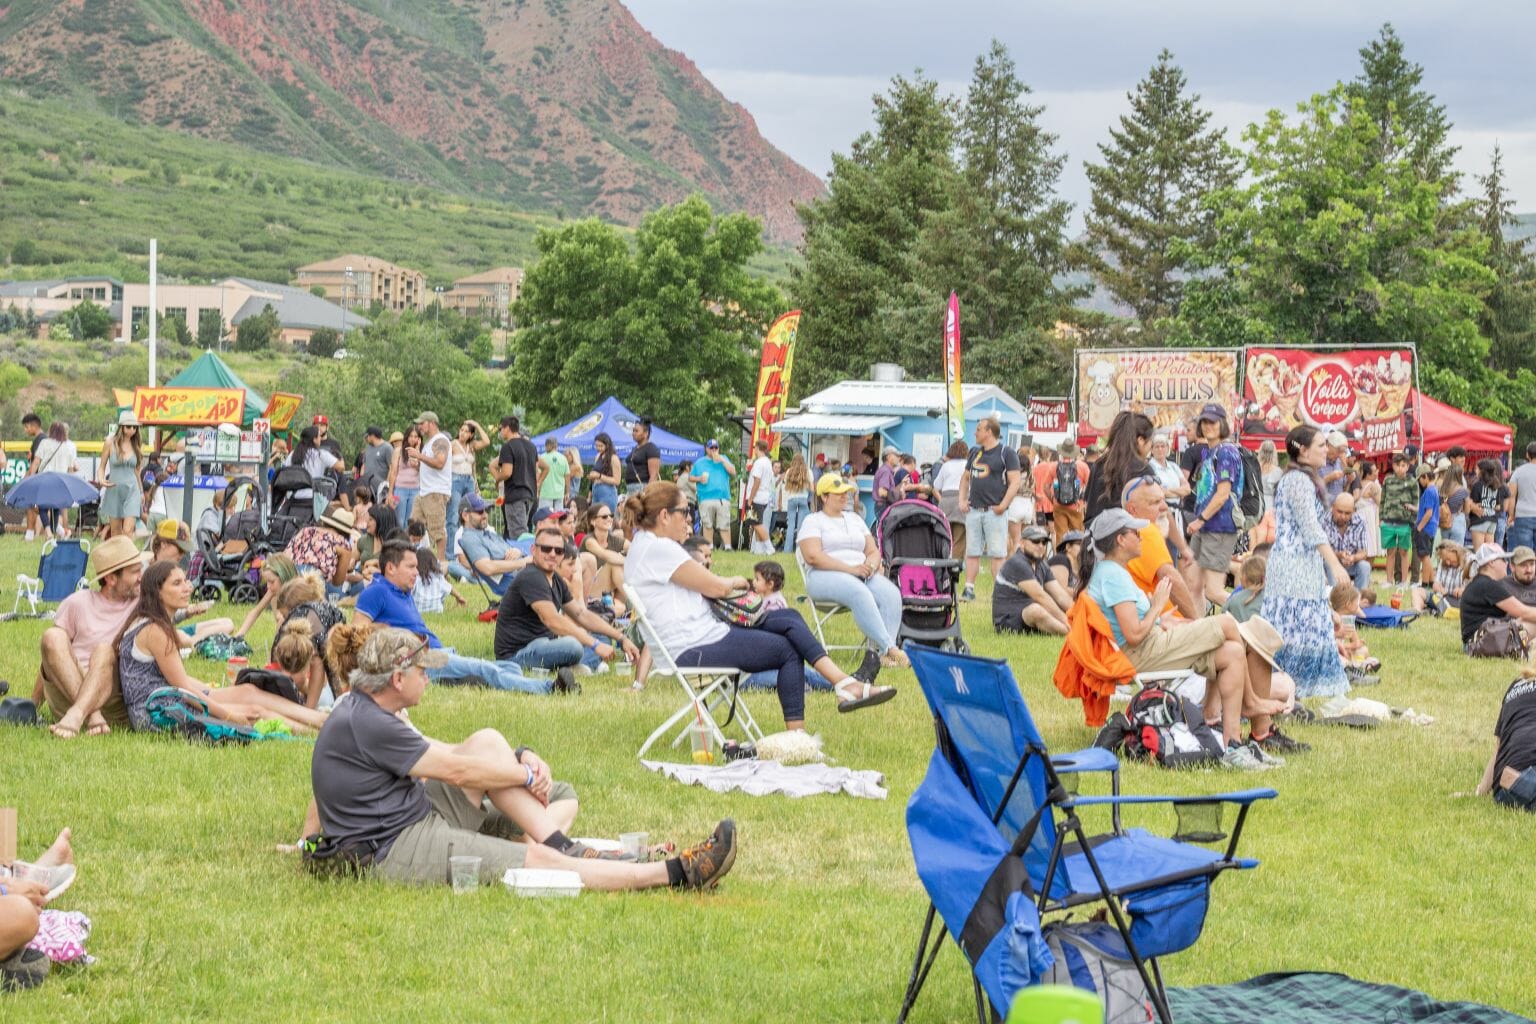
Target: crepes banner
954, 393
1365, 393
1049, 415
1167, 385
281, 408
773, 380
188, 407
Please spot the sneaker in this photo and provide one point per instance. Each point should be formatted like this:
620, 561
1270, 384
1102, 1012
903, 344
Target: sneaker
25, 968
1301, 713
704, 865
1359, 677
1278, 742
565, 682
968, 594
1240, 756
31, 536
1264, 757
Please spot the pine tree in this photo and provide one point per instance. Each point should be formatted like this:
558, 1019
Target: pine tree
1411, 125
1158, 168
1508, 318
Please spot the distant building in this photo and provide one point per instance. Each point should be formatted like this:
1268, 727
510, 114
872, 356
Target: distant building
356, 282
487, 295
47, 299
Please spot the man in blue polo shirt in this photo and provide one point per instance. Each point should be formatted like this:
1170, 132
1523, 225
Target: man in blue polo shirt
387, 601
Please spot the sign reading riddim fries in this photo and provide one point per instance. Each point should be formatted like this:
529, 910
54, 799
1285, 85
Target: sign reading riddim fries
188, 407
1168, 386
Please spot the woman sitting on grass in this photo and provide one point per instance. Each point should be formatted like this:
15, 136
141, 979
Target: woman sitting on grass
1450, 579
149, 658
303, 600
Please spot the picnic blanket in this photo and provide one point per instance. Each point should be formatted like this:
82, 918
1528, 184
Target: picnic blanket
1315, 998
764, 778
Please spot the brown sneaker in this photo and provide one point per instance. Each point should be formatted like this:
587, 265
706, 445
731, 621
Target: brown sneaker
704, 865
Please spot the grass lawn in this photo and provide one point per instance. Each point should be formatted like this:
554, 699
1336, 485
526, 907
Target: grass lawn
1370, 867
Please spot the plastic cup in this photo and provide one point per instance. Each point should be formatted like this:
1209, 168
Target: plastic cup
703, 743
465, 872
1348, 621
636, 844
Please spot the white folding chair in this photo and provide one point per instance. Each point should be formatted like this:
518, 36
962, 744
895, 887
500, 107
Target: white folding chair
720, 688
822, 612
28, 589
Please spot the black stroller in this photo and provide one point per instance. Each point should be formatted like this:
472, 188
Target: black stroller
216, 572
917, 546
290, 513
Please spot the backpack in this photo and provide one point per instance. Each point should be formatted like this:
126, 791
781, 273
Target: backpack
1169, 730
1251, 488
1068, 489
1092, 956
173, 710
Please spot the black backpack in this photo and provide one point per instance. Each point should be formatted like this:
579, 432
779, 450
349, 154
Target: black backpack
1068, 489
1251, 495
1164, 728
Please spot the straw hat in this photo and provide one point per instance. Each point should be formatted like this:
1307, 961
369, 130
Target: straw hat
111, 555
1262, 638
338, 518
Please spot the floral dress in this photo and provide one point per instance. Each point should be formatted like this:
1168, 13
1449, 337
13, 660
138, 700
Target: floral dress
1296, 591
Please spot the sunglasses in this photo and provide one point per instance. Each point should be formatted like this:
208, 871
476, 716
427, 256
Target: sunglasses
680, 511
404, 660
605, 515
551, 549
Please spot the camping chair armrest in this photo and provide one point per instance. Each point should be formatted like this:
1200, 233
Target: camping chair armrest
936, 563
1089, 759
1243, 797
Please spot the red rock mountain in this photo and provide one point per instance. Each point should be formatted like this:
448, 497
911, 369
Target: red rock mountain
565, 105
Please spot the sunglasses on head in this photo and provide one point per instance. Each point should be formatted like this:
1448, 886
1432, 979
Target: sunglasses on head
403, 660
551, 549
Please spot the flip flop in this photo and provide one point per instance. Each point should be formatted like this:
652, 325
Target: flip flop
871, 696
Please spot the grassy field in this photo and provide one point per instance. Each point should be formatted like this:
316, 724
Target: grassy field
1371, 867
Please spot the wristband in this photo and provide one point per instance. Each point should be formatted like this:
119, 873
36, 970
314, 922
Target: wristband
517, 755
529, 783
3, 890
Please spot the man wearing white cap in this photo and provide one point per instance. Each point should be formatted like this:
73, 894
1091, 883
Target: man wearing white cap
1335, 470
1487, 597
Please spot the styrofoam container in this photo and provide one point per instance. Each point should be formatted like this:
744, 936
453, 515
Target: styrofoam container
539, 882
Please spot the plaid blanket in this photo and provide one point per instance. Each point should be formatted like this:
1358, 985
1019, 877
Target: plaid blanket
1323, 999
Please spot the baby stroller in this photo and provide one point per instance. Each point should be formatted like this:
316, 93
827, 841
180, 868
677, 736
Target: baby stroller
290, 514
228, 544
916, 545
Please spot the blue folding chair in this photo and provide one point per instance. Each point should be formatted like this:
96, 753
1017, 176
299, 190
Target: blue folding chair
998, 843
62, 567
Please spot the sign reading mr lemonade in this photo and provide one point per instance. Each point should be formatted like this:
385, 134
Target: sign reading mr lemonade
188, 407
1167, 385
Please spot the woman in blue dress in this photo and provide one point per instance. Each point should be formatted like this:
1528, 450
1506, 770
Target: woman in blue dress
1297, 576
122, 491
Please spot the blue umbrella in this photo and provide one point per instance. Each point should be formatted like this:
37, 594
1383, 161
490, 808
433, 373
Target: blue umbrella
52, 490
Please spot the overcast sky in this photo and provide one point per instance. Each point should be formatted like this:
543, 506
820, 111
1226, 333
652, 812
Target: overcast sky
807, 70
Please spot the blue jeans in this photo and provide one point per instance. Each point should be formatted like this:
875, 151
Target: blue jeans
1522, 794
796, 509
556, 652
1360, 574
463, 486
770, 680
782, 643
875, 603
407, 498
1500, 527
498, 675
606, 494
1522, 532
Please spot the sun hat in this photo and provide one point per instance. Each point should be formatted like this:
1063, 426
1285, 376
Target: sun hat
396, 436
175, 531
126, 418
1262, 638
1521, 555
1112, 520
338, 518
833, 483
1485, 554
111, 555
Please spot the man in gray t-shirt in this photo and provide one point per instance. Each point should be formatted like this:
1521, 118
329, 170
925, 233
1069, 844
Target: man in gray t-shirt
378, 455
1522, 487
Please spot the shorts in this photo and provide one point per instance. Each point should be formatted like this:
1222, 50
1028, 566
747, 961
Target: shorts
1423, 544
1522, 794
1213, 551
1396, 537
434, 513
715, 514
1066, 518
1021, 510
114, 710
419, 855
762, 514
1014, 623
986, 533
1190, 646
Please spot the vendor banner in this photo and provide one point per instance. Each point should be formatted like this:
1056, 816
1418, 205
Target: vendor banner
1049, 415
1167, 385
1364, 393
281, 408
773, 380
188, 407
954, 394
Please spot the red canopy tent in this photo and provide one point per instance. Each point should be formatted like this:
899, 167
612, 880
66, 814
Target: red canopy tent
1445, 426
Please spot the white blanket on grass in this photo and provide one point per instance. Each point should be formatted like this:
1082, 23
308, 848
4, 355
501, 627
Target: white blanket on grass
764, 778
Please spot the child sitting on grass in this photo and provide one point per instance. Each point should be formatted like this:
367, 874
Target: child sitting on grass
431, 585
1345, 601
768, 584
1248, 601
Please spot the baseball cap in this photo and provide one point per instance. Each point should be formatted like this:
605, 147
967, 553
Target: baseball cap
712, 443
387, 650
1425, 469
474, 502
1034, 533
320, 419
1521, 555
1074, 537
427, 417
1112, 520
832, 483
556, 514
1487, 553
175, 531
1337, 439
1214, 411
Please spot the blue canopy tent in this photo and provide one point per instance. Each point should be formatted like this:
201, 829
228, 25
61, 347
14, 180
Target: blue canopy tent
612, 418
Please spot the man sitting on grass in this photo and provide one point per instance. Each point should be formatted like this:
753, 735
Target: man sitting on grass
1027, 597
483, 549
1511, 773
412, 802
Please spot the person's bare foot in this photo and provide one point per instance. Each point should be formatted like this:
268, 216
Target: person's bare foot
1257, 706
96, 725
59, 853
68, 727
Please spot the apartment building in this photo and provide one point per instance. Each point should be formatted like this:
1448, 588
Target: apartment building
487, 295
356, 282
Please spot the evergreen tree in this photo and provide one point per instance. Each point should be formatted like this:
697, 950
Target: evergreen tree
1508, 318
1410, 125
1147, 208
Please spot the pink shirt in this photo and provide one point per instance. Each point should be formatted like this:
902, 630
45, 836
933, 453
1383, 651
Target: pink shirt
91, 619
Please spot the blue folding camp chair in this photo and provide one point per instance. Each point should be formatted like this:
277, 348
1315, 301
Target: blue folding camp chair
62, 567
998, 843
1384, 618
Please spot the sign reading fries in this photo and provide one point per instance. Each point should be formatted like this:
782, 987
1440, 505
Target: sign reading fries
188, 407
281, 408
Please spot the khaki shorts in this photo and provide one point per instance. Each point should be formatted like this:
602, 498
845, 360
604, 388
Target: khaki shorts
1190, 646
1213, 551
457, 828
434, 513
114, 710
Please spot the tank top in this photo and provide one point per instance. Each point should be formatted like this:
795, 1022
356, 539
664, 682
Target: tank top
139, 675
463, 460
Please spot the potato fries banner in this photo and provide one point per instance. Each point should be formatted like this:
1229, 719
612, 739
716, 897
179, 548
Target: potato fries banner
281, 408
1167, 385
188, 407
773, 380
1365, 393
1049, 415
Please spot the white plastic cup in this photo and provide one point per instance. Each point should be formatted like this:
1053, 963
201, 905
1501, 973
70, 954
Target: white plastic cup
465, 872
636, 844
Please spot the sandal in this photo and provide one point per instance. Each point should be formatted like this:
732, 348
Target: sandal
869, 695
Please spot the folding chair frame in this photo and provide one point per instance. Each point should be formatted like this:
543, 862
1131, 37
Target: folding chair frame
823, 612
723, 689
1071, 826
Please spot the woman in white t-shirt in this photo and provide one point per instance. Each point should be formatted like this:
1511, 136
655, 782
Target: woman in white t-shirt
842, 565
56, 454
674, 590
